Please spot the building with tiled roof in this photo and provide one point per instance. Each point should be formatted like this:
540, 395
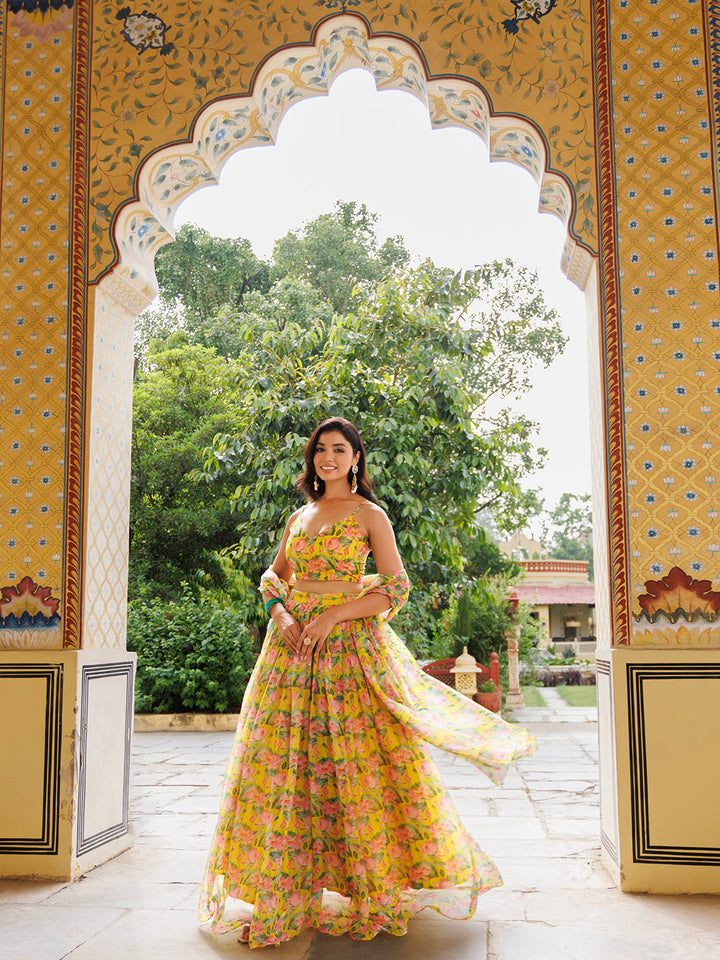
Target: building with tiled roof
560, 595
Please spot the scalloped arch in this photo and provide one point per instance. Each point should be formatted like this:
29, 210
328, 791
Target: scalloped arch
342, 43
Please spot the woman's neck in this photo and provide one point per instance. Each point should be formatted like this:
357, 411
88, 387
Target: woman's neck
336, 490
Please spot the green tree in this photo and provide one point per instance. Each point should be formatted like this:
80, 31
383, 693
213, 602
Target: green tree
205, 273
338, 250
567, 530
154, 326
407, 367
176, 526
428, 363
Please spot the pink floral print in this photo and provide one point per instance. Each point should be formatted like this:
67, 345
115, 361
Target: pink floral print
333, 815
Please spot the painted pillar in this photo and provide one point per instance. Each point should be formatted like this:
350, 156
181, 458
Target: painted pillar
658, 655
66, 680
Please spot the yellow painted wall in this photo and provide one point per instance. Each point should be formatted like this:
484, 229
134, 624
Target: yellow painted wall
666, 769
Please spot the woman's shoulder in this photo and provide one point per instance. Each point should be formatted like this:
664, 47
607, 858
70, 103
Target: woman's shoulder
372, 514
294, 516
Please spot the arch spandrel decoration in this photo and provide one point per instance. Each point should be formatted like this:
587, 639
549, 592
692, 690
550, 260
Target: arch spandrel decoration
255, 101
290, 75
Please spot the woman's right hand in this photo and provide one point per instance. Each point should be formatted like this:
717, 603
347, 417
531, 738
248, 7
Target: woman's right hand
287, 626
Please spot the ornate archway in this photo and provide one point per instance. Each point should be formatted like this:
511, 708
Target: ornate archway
112, 115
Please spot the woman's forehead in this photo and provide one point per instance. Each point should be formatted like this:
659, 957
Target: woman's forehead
332, 438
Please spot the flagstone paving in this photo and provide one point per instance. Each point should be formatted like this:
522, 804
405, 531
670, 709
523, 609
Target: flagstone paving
541, 828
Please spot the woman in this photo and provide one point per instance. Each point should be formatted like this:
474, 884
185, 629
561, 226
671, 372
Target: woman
333, 815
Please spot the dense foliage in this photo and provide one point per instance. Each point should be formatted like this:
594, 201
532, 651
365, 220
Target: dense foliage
193, 655
176, 526
241, 359
415, 366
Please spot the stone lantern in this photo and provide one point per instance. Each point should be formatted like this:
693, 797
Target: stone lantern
466, 671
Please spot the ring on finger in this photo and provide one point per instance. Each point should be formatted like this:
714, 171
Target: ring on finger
307, 642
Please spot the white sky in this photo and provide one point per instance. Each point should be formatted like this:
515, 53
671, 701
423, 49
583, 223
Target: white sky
438, 190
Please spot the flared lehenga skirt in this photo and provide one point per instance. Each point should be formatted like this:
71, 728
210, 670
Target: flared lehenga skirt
333, 815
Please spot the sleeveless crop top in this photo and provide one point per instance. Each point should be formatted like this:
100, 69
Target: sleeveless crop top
339, 552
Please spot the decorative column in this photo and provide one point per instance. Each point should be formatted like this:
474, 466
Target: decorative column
654, 347
514, 697
66, 680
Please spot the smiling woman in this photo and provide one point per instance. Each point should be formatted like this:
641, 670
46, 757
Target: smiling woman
333, 815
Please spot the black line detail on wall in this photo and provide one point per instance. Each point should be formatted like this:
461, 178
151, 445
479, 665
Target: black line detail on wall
610, 844
602, 666
125, 669
46, 839
643, 850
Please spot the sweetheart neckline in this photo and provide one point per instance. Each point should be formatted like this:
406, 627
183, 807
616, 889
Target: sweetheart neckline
330, 525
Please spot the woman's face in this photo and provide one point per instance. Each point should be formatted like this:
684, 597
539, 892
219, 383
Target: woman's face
334, 456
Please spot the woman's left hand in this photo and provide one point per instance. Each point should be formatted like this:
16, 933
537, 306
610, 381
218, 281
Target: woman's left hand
315, 633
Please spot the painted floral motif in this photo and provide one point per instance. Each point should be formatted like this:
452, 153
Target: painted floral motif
39, 6
143, 233
332, 813
28, 604
174, 178
528, 10
678, 634
554, 199
463, 108
521, 148
394, 68
41, 19
227, 130
342, 4
144, 30
678, 596
29, 617
544, 74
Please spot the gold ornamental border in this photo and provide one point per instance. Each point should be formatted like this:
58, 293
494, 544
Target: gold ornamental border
612, 339
76, 350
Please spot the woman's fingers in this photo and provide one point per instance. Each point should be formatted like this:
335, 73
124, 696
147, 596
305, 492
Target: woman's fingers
311, 639
292, 636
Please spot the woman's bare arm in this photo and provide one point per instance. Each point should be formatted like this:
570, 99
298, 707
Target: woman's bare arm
287, 626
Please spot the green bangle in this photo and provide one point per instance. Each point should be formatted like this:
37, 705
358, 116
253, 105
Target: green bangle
270, 603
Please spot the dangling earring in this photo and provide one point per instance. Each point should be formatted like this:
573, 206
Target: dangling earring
315, 485
353, 486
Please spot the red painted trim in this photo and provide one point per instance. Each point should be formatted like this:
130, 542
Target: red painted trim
77, 357
619, 573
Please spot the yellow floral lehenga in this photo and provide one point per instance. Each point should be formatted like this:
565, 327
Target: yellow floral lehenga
333, 815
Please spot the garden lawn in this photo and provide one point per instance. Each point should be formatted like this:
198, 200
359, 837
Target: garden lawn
533, 697
584, 696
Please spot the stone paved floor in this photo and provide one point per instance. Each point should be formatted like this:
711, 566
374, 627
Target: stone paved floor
541, 828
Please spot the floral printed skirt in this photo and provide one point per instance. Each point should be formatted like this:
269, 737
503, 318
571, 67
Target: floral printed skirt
333, 815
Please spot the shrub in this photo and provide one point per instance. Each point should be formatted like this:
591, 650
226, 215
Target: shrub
193, 655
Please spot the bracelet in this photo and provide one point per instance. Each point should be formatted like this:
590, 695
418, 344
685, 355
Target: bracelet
270, 603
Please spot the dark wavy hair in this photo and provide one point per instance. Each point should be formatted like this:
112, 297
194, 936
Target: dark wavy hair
306, 481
